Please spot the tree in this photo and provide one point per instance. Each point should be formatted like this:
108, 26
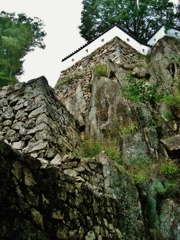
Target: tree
19, 35
139, 18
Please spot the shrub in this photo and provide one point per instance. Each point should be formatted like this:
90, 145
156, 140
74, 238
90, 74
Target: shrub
101, 70
90, 148
139, 90
169, 168
171, 100
168, 189
4, 81
131, 128
139, 170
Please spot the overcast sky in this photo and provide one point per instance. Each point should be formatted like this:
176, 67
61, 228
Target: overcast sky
61, 19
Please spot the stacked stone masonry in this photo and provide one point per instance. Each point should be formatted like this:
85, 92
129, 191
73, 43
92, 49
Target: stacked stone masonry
46, 193
34, 122
74, 199
116, 51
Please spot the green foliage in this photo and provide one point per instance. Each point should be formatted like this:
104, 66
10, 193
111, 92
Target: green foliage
89, 86
101, 70
139, 18
4, 81
131, 128
65, 80
18, 36
139, 170
170, 188
90, 148
68, 79
171, 100
139, 90
169, 168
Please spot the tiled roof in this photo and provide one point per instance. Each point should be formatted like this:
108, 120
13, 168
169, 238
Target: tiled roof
85, 45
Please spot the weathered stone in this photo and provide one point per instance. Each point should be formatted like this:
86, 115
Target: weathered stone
30, 124
73, 214
42, 135
18, 125
140, 72
3, 102
57, 214
3, 93
10, 134
7, 123
70, 172
35, 146
18, 107
37, 217
62, 195
42, 119
18, 86
8, 114
21, 115
22, 131
56, 160
43, 162
28, 178
38, 128
62, 233
32, 198
172, 143
90, 236
18, 145
36, 113
50, 153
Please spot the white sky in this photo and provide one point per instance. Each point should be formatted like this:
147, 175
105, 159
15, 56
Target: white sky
61, 19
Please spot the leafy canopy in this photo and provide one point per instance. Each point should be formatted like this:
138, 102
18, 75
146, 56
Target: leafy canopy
139, 18
18, 36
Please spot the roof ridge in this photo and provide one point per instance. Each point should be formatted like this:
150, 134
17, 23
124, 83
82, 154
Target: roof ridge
86, 44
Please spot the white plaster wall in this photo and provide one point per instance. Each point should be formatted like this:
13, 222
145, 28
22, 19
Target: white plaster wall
161, 33
157, 36
173, 33
106, 37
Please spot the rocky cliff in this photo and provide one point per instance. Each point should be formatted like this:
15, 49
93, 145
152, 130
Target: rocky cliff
98, 157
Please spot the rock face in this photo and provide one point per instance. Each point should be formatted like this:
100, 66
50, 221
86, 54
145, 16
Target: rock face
46, 193
34, 122
77, 200
128, 104
104, 110
49, 191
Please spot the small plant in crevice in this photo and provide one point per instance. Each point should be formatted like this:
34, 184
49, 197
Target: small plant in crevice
171, 100
170, 188
142, 91
69, 78
87, 86
139, 170
169, 168
66, 80
90, 148
124, 131
100, 70
139, 90
131, 128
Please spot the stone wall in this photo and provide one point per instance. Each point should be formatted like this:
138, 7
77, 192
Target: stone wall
34, 122
115, 50
46, 193
49, 192
74, 87
75, 199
